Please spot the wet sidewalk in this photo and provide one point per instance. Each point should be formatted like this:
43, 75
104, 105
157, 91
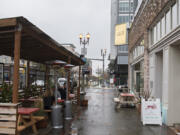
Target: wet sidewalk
100, 118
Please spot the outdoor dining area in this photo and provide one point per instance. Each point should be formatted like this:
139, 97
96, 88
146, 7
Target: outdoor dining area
24, 108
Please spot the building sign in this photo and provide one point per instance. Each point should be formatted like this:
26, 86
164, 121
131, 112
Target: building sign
151, 112
120, 34
111, 80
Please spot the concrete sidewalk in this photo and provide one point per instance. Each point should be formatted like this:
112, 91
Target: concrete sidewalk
100, 118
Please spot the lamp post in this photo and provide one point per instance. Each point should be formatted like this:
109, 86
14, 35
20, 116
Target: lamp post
103, 54
84, 40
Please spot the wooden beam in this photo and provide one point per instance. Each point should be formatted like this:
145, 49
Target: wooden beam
47, 77
69, 73
45, 40
27, 74
17, 47
8, 22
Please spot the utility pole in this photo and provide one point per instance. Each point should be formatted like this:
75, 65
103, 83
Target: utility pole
103, 54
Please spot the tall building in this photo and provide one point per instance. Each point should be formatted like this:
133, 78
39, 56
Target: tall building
154, 52
122, 12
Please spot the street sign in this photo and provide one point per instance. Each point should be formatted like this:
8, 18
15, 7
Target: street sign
151, 112
111, 80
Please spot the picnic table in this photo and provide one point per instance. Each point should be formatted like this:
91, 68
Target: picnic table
26, 118
125, 99
60, 101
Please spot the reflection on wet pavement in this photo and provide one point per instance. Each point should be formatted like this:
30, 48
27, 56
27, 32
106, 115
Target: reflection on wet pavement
100, 118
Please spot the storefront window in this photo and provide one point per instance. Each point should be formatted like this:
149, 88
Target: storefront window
179, 11
174, 16
138, 78
152, 37
163, 28
168, 22
158, 31
154, 34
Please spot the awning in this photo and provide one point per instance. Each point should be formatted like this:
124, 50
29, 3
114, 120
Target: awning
36, 45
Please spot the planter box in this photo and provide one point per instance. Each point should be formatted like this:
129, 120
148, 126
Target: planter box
84, 102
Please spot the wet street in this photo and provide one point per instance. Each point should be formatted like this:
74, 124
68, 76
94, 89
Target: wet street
100, 118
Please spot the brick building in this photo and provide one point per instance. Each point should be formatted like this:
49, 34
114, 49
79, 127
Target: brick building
154, 52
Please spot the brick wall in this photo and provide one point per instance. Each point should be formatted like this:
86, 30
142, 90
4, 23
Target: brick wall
147, 13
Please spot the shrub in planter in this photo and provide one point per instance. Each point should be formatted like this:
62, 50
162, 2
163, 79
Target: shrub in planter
6, 93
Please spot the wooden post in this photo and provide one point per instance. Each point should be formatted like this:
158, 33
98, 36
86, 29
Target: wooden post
68, 81
17, 47
27, 74
47, 78
69, 86
78, 91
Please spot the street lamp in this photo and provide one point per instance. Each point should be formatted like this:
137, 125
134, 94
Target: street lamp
84, 41
103, 54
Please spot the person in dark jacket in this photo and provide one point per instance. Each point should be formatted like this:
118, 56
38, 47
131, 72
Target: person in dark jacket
62, 91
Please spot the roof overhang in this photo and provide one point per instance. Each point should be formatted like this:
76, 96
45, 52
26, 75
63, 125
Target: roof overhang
36, 45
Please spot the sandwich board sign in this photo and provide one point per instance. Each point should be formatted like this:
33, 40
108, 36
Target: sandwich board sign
151, 112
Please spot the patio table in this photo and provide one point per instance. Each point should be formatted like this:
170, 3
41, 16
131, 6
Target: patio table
25, 114
30, 99
60, 100
127, 95
127, 98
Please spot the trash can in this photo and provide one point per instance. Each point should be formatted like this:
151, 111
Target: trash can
68, 110
57, 116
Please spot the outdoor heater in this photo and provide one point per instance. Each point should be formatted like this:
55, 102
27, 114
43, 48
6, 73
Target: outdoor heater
68, 103
57, 113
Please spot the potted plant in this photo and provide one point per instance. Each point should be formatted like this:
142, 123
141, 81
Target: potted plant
6, 93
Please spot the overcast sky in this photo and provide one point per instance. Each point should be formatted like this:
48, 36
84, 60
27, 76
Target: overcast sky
64, 20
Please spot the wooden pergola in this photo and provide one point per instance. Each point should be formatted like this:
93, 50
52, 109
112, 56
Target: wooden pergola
20, 39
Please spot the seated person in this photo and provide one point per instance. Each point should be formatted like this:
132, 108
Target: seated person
48, 99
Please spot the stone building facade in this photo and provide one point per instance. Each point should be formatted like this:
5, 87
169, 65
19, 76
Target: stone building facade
154, 49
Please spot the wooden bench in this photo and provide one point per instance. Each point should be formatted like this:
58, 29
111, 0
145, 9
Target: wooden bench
8, 118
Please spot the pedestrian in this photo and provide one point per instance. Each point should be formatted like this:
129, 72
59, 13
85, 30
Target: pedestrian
62, 91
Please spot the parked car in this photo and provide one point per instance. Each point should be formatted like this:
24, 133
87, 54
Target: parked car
38, 83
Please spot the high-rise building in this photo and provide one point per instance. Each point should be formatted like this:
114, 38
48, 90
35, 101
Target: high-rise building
122, 12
